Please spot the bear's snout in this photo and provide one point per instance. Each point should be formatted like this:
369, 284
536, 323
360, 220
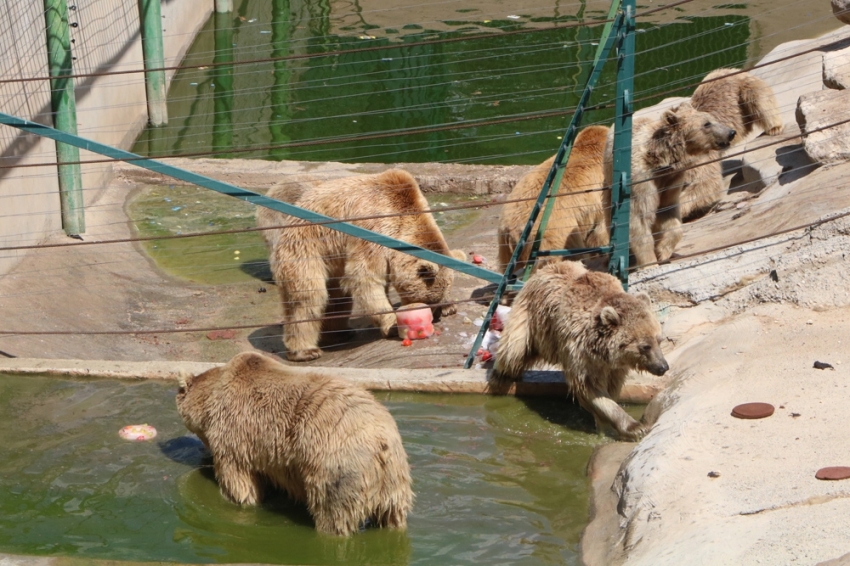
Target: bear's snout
657, 366
732, 135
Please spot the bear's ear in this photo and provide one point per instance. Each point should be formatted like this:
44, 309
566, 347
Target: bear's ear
426, 270
184, 376
609, 316
670, 116
644, 298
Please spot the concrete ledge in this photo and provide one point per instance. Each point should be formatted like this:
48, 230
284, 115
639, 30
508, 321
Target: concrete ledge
427, 380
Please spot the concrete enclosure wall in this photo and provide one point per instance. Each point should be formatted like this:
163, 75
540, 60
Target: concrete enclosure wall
111, 109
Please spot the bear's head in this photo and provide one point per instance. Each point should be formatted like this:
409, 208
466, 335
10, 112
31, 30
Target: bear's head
701, 130
634, 331
192, 395
419, 281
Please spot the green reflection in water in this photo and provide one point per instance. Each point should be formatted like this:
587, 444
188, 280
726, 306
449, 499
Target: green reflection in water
269, 105
497, 480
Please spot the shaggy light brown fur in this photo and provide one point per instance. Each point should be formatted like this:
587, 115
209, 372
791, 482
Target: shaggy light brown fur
742, 102
584, 322
661, 150
321, 272
327, 442
577, 220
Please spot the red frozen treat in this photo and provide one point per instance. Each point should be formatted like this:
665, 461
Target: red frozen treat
415, 321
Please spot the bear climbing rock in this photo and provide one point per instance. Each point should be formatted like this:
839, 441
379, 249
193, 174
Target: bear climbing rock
578, 219
582, 321
320, 272
742, 102
327, 442
661, 151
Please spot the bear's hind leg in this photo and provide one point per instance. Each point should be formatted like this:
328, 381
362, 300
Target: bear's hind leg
240, 486
338, 508
304, 294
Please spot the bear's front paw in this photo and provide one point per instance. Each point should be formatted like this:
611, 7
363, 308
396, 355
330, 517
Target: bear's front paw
635, 432
303, 355
448, 310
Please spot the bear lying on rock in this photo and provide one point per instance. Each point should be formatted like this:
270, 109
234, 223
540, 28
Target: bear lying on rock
582, 321
320, 272
327, 442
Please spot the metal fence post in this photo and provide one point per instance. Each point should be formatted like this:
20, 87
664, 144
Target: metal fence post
621, 182
152, 50
64, 107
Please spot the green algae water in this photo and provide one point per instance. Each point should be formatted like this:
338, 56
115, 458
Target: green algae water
497, 480
339, 99
221, 259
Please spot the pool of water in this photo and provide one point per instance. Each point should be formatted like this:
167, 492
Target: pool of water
171, 210
305, 108
498, 481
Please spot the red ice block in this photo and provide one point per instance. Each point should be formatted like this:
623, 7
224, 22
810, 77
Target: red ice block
414, 321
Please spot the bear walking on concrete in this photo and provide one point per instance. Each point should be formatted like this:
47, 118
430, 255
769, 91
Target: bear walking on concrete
742, 102
662, 149
582, 321
320, 272
327, 442
578, 218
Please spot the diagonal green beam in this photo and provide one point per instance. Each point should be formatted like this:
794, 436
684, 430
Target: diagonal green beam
606, 42
556, 173
248, 196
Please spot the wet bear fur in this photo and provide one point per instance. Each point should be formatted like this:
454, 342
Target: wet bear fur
661, 151
742, 102
327, 442
320, 272
578, 220
583, 322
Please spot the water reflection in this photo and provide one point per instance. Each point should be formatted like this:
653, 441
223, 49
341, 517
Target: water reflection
222, 133
292, 108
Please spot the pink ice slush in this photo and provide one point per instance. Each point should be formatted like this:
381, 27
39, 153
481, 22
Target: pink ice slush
415, 321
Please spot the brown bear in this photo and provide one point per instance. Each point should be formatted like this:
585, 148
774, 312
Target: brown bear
325, 441
742, 102
577, 220
321, 272
584, 322
661, 150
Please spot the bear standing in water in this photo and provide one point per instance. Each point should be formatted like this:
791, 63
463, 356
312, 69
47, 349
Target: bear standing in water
327, 442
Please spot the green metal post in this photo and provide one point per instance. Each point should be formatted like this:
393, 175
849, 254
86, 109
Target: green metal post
621, 182
64, 107
152, 51
556, 173
223, 6
553, 179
